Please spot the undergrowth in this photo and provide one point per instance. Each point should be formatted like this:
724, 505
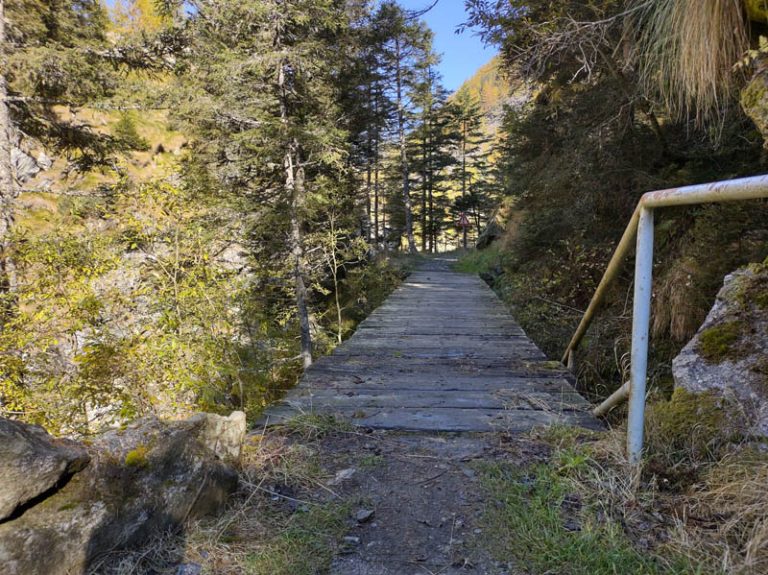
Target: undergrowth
479, 261
699, 507
285, 520
539, 523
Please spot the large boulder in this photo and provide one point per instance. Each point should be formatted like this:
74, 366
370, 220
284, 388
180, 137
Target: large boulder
32, 463
729, 354
148, 478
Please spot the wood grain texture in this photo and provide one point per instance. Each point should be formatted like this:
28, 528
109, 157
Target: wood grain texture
441, 354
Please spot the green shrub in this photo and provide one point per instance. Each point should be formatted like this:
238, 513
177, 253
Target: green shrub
127, 135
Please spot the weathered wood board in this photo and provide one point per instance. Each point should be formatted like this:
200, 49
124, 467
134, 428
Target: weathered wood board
441, 354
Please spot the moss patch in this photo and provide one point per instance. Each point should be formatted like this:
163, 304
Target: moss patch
137, 457
719, 342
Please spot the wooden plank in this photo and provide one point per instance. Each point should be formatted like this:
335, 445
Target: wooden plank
452, 420
429, 399
417, 381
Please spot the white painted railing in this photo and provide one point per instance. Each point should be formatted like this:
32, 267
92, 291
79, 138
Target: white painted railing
641, 227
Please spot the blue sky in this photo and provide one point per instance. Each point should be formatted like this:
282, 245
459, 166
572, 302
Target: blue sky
462, 54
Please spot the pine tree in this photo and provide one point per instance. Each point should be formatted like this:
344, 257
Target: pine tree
263, 103
432, 144
405, 47
472, 153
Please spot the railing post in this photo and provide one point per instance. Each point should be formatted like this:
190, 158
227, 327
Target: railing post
641, 316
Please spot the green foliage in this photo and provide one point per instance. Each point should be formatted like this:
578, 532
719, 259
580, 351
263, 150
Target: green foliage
575, 160
127, 135
112, 328
481, 262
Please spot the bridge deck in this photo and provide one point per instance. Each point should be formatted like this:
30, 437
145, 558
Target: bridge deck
441, 354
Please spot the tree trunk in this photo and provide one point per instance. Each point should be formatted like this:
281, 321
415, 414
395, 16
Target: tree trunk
464, 160
294, 190
432, 233
376, 138
368, 177
368, 199
8, 190
424, 178
404, 151
297, 254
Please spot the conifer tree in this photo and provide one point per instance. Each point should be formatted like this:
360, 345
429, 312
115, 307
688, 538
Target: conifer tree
263, 102
432, 143
49, 55
405, 47
472, 153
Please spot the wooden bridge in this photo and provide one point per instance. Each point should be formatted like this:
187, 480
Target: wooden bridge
441, 354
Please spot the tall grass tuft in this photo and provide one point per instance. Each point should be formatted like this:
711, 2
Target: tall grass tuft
686, 51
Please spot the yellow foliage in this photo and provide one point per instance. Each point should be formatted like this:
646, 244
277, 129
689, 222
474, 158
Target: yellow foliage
757, 10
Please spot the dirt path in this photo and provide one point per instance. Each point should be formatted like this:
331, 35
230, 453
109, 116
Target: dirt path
423, 491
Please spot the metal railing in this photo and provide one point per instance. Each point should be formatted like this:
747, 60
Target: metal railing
641, 227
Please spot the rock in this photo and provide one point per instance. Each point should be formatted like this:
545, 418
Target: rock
223, 435
349, 545
364, 515
189, 569
342, 476
754, 97
149, 478
492, 232
33, 463
729, 355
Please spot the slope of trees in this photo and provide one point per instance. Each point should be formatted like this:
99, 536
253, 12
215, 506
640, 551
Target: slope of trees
198, 197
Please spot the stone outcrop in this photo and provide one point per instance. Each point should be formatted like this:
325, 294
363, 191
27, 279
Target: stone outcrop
492, 232
148, 478
32, 463
729, 354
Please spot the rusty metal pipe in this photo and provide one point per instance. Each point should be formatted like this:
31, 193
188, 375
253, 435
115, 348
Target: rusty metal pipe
617, 397
752, 188
613, 269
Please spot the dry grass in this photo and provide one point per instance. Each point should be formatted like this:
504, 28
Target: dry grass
285, 520
731, 511
716, 523
675, 311
687, 50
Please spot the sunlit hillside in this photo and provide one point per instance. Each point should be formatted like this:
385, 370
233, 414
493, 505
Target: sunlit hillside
494, 90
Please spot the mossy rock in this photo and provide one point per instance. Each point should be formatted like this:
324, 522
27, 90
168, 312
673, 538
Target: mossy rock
754, 102
727, 357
